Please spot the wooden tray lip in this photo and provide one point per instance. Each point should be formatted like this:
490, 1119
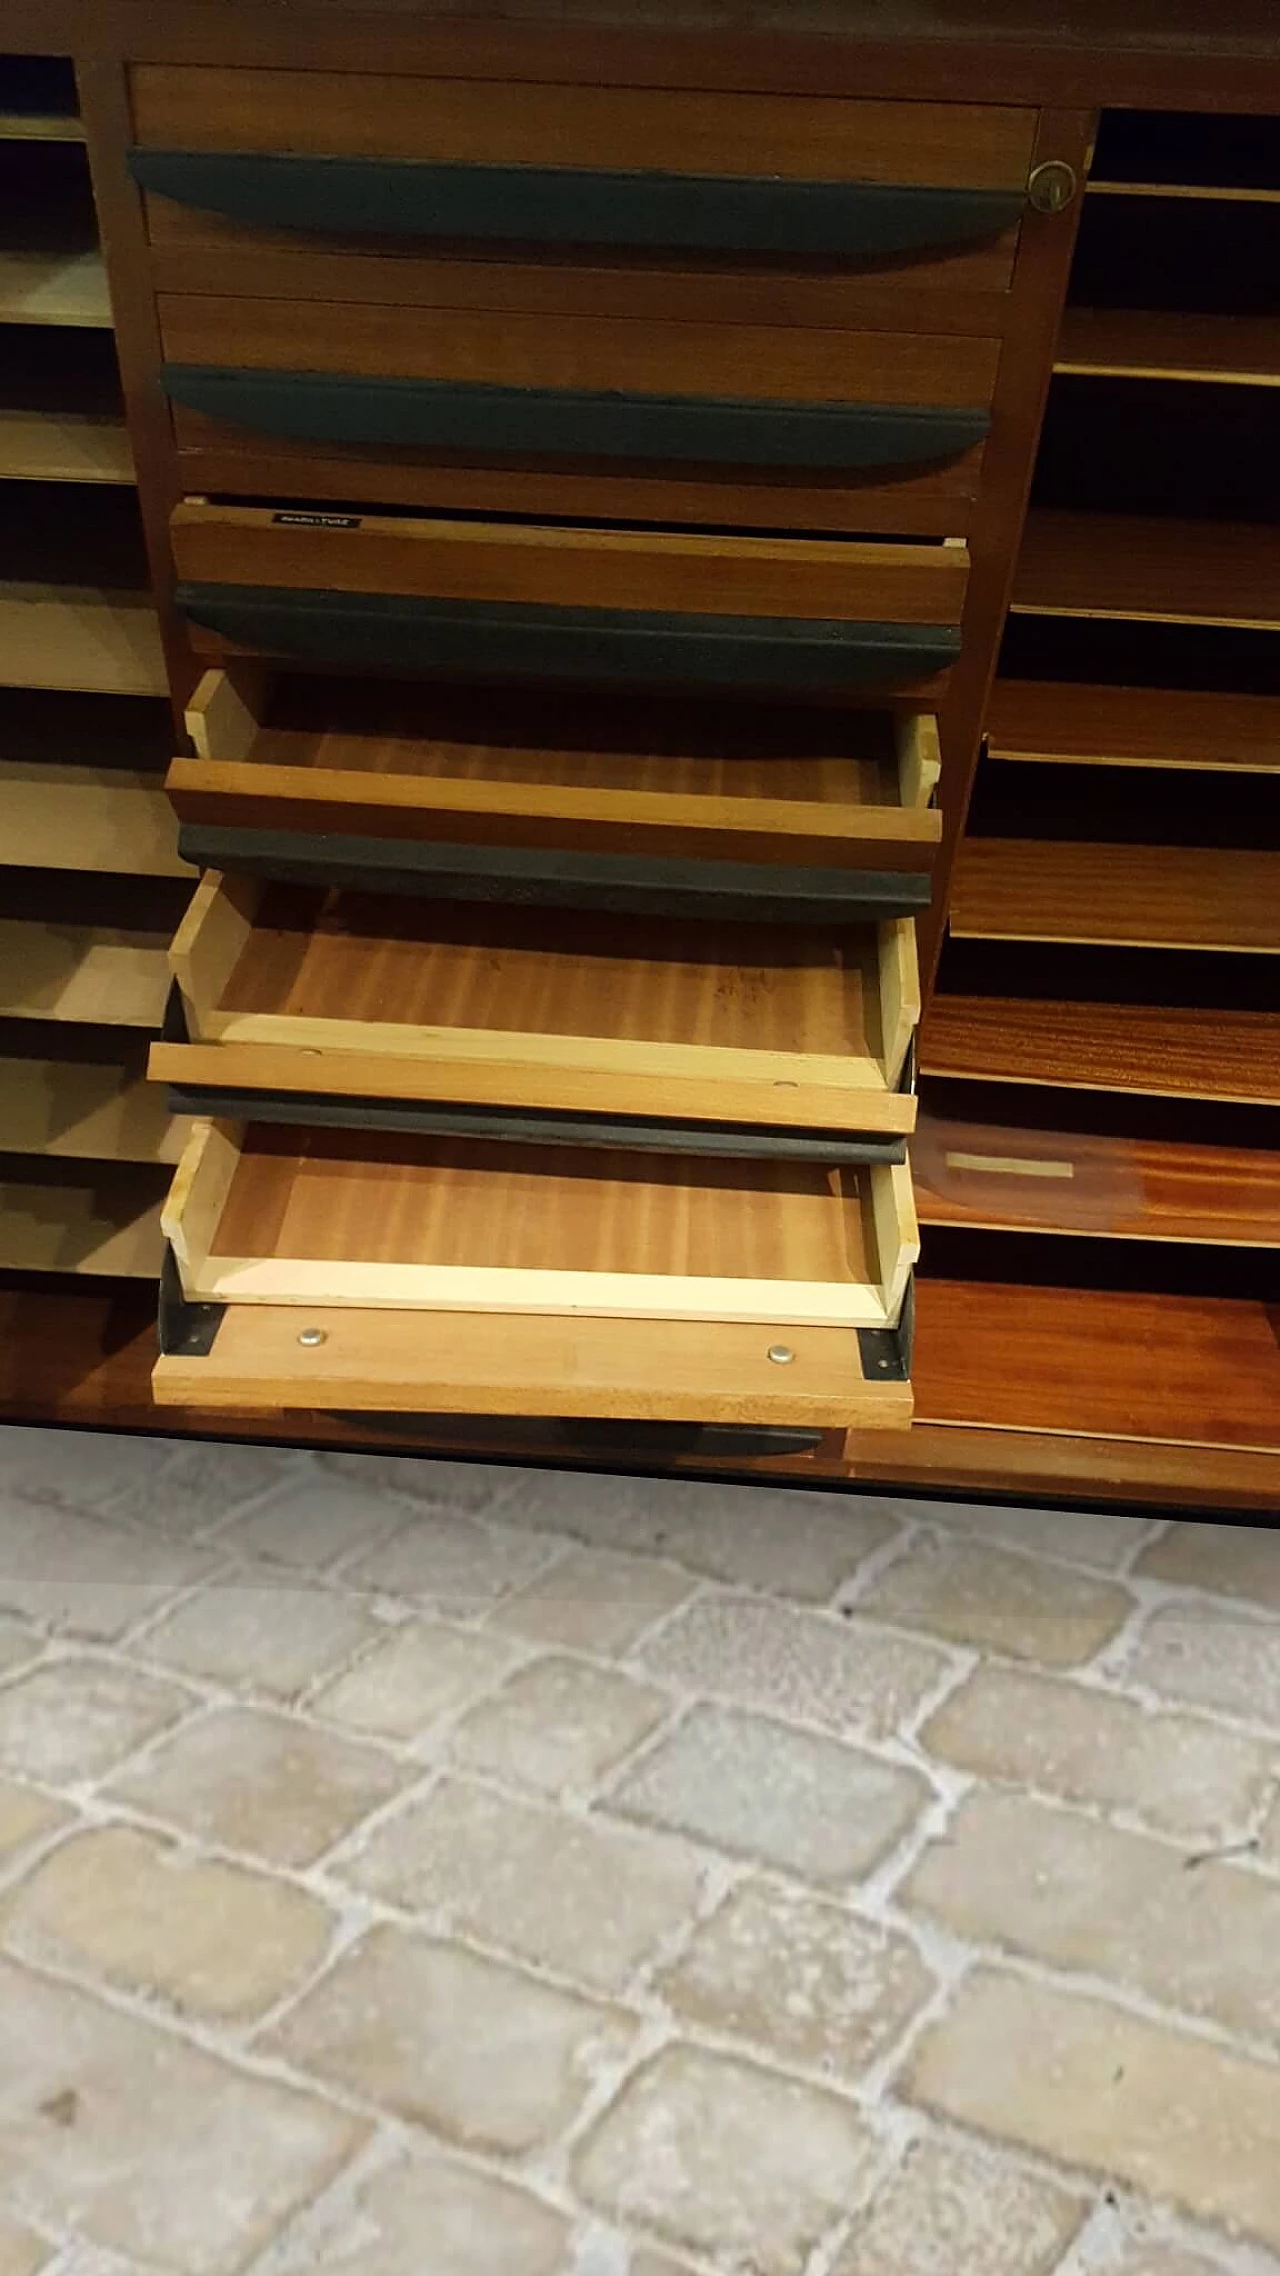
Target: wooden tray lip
194, 1209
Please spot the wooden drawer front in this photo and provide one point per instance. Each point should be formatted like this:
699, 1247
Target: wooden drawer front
473, 598
289, 989
476, 793
264, 1214
534, 163
467, 1363
881, 411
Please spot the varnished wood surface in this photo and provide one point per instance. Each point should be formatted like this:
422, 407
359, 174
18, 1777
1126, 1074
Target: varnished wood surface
1074, 723
1176, 1053
1153, 343
1183, 1371
662, 130
650, 357
749, 784
575, 568
1148, 566
1010, 1178
87, 818
1216, 898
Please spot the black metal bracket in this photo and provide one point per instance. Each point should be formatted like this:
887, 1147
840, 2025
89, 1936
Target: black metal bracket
886, 1352
187, 1330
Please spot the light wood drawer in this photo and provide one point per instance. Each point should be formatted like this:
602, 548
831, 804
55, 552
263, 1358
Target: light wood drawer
773, 814
755, 424
369, 996
471, 599
539, 163
482, 1250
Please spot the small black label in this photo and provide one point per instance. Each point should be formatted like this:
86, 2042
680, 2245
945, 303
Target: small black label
320, 521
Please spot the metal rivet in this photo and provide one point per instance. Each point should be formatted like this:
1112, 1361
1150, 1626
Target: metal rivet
781, 1354
1053, 186
312, 1336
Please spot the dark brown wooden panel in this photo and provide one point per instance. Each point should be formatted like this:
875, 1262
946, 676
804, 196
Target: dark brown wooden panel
1073, 723
1142, 565
1117, 896
1125, 1047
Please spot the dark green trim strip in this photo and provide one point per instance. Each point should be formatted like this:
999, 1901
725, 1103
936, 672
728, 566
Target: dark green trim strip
575, 205
762, 893
460, 640
618, 1134
411, 414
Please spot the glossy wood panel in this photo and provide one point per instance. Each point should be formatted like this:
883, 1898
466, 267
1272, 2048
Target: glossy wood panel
1146, 566
1224, 899
1073, 723
1176, 1053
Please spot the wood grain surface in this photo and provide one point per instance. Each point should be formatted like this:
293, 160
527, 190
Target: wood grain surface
1185, 1371
102, 1220
1155, 343
599, 354
785, 785
50, 287
85, 973
63, 446
662, 130
393, 997
1148, 567
640, 1370
1010, 1178
419, 1223
1118, 896
1074, 723
79, 638
1175, 1053
575, 568
85, 1110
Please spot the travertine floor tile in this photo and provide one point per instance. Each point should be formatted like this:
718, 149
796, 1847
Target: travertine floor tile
469, 1486
270, 1639
22, 2252
1210, 1655
1191, 1933
420, 1672
17, 1644
264, 1784
799, 1977
194, 1486
1184, 1774
803, 1665
798, 1545
729, 2160
85, 1576
585, 1899
558, 1724
164, 2153
483, 2056
452, 1561
127, 1909
998, 1602
310, 1523
758, 1789
1080, 1536
73, 1719
429, 2216
1075, 2078
25, 1816
947, 2211
1229, 1560
593, 1600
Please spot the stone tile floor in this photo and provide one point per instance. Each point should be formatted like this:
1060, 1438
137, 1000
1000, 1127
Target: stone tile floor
413, 1869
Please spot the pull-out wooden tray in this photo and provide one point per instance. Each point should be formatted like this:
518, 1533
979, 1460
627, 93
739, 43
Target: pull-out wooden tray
528, 602
290, 988
572, 1283
392, 771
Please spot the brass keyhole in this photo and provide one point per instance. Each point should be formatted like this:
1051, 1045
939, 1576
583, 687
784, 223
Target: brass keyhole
1053, 186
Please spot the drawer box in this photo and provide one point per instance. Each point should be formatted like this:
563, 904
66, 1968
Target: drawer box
726, 423
537, 163
461, 599
369, 996
419, 1276
259, 1213
478, 793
